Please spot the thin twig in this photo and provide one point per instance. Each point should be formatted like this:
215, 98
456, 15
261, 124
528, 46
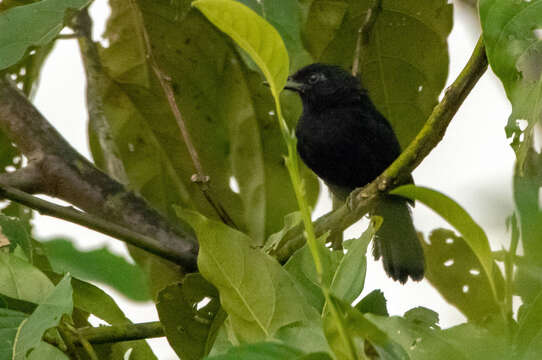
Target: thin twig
200, 177
363, 199
364, 35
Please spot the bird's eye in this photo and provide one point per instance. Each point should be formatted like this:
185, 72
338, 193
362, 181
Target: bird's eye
314, 78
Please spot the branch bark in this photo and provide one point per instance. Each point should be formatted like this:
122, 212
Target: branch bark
60, 171
363, 199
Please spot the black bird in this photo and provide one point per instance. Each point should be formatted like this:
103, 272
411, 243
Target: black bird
345, 140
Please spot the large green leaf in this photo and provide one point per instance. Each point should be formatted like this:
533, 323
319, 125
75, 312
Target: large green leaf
46, 19
188, 312
456, 216
20, 280
224, 105
255, 291
405, 65
98, 265
47, 315
513, 46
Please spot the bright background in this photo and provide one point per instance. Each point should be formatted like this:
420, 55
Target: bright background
473, 165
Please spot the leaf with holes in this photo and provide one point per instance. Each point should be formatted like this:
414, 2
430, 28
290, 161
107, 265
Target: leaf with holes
456, 216
405, 65
188, 312
455, 271
255, 291
512, 32
463, 342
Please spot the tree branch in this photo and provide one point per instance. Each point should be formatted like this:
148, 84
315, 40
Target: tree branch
63, 173
114, 333
362, 200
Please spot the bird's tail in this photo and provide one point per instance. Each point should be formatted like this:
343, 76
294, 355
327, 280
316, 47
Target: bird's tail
397, 241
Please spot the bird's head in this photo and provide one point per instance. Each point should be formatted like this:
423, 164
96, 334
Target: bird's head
322, 82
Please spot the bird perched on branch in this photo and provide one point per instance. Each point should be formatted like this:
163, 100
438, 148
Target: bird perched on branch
345, 140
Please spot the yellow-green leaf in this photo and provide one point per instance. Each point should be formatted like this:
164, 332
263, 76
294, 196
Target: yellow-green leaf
253, 34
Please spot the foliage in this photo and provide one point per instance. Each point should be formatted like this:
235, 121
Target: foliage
244, 304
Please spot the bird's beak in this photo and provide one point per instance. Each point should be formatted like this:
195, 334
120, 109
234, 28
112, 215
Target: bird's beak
293, 86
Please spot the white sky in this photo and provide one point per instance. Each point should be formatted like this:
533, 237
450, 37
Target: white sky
473, 165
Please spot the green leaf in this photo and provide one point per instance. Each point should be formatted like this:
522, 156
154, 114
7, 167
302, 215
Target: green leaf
285, 16
187, 312
349, 278
455, 271
45, 351
15, 230
91, 299
374, 303
404, 81
46, 18
291, 221
456, 216
462, 342
301, 267
528, 281
527, 338
47, 315
253, 34
513, 49
98, 265
22, 281
268, 351
257, 305
422, 316
307, 336
359, 328
9, 323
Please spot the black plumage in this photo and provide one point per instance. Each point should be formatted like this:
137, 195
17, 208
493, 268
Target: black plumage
347, 142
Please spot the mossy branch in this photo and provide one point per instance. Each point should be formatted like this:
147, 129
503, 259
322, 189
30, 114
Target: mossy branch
363, 199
